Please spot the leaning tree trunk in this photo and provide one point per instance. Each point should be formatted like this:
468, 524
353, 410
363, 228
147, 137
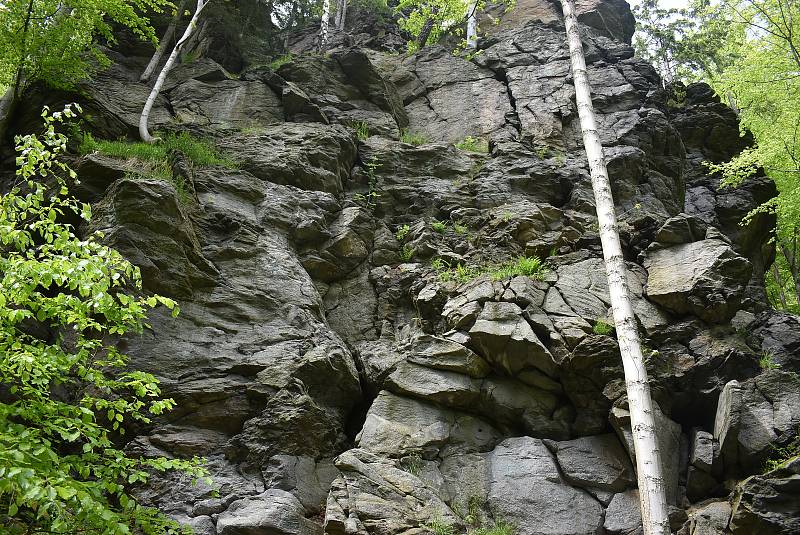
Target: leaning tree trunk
472, 25
162, 44
324, 23
143, 130
648, 462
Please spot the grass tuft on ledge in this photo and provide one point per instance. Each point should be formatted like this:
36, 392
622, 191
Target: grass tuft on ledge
199, 152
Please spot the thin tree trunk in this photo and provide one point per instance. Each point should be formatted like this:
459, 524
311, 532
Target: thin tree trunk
162, 44
652, 496
472, 25
9, 101
425, 33
143, 130
776, 273
324, 23
791, 259
341, 14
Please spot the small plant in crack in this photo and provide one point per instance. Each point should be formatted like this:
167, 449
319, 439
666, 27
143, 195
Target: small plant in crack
603, 328
437, 526
767, 360
439, 226
369, 200
412, 464
402, 232
407, 253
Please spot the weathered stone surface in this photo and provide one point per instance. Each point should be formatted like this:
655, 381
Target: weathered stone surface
547, 505
769, 503
706, 278
503, 337
710, 519
397, 425
227, 103
274, 511
754, 415
623, 514
597, 461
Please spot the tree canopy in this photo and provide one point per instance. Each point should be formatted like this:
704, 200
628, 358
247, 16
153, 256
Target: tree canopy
749, 52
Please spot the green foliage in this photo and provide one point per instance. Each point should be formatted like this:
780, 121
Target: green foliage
362, 130
446, 17
369, 200
767, 361
460, 229
402, 232
439, 226
56, 41
412, 138
199, 152
529, 266
474, 144
407, 253
276, 63
68, 390
601, 327
781, 455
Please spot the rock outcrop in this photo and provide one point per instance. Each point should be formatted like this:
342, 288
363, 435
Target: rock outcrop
351, 359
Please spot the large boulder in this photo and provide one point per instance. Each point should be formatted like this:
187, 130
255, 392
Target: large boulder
705, 278
768, 504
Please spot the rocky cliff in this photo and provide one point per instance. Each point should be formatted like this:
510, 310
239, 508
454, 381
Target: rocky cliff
337, 370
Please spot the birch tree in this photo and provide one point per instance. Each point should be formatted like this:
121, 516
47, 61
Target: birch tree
324, 23
472, 25
648, 463
163, 44
144, 132
341, 14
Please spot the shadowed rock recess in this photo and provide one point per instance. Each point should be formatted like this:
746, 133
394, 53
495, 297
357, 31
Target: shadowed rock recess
337, 382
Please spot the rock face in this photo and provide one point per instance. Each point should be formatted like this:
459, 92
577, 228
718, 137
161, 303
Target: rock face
352, 357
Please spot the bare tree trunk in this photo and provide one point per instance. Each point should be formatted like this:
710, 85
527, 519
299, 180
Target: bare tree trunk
10, 101
324, 23
652, 496
472, 25
143, 130
776, 274
163, 44
341, 14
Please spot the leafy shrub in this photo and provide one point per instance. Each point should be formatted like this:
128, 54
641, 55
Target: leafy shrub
402, 232
407, 253
412, 138
601, 327
439, 226
474, 144
68, 390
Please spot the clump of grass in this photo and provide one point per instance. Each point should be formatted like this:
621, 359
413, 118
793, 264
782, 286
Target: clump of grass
439, 226
460, 229
499, 528
412, 138
402, 232
601, 327
276, 63
198, 151
412, 464
529, 266
767, 361
474, 144
440, 527
163, 174
362, 130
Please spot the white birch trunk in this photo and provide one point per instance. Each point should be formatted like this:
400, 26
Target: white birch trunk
162, 44
652, 495
472, 25
341, 15
143, 130
325, 22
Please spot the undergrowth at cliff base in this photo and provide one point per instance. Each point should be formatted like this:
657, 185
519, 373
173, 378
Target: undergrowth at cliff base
528, 266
